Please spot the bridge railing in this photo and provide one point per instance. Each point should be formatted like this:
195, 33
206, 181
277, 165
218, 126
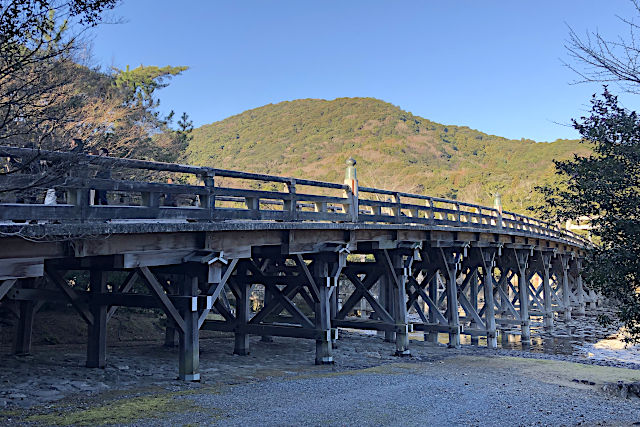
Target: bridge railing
140, 191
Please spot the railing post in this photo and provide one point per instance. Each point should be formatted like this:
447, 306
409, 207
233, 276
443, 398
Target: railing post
497, 205
291, 205
351, 180
209, 202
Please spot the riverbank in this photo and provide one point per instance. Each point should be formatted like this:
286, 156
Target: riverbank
278, 384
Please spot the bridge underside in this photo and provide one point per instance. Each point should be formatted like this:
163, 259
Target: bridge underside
290, 279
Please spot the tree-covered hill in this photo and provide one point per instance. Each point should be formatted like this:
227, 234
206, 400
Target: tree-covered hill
312, 138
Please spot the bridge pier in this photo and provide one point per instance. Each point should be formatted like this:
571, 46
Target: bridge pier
577, 268
451, 260
566, 290
189, 340
243, 307
545, 264
396, 276
473, 299
386, 289
323, 321
97, 336
520, 258
24, 330
432, 335
487, 257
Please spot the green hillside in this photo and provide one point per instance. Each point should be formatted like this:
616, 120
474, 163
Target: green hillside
312, 138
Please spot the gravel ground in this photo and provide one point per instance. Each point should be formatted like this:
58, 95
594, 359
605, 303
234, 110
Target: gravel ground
460, 391
277, 384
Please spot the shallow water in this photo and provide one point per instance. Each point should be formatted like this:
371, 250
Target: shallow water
582, 336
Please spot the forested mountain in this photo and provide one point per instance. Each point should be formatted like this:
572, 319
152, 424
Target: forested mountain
395, 149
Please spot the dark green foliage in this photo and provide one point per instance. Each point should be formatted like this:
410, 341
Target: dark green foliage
312, 138
604, 187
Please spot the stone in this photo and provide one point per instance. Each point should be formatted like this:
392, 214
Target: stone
634, 388
17, 396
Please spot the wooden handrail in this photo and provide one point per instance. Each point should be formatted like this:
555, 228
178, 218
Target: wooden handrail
290, 205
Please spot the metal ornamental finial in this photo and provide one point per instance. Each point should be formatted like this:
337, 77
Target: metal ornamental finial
351, 169
497, 202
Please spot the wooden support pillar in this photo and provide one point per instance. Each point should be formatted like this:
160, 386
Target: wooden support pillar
397, 278
546, 291
593, 298
451, 261
334, 309
579, 287
325, 283
24, 329
97, 344
488, 260
386, 290
323, 322
504, 285
170, 334
473, 296
267, 299
521, 259
243, 305
432, 336
382, 300
566, 299
189, 351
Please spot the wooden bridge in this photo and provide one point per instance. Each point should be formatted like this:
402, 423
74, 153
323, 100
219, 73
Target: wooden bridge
254, 254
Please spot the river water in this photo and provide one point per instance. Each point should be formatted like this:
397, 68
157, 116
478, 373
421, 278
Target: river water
581, 336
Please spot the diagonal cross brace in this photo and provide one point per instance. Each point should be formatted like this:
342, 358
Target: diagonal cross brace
508, 303
6, 287
124, 288
156, 288
278, 296
426, 280
369, 281
313, 287
74, 298
432, 305
214, 291
380, 311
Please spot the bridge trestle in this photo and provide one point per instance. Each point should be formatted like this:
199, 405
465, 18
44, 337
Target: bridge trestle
304, 262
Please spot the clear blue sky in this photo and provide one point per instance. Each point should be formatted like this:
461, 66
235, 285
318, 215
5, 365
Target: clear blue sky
494, 66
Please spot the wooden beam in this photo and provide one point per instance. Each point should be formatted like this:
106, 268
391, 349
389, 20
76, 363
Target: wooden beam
380, 311
124, 288
6, 287
72, 296
312, 283
18, 268
156, 288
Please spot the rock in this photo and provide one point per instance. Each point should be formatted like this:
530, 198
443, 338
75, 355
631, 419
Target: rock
123, 367
616, 389
47, 394
17, 396
80, 384
373, 354
634, 388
